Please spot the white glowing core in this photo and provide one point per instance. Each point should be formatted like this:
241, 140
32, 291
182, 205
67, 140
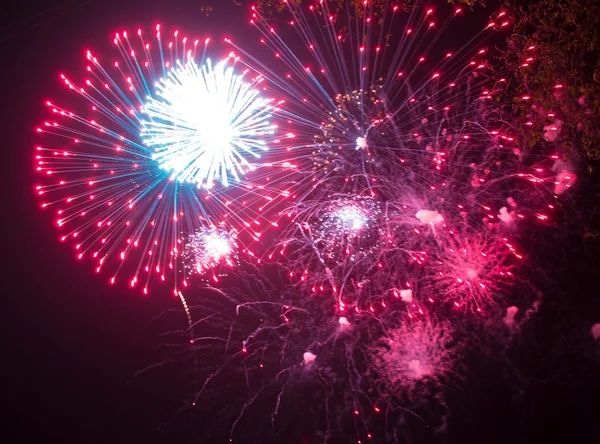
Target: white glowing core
351, 217
217, 246
206, 124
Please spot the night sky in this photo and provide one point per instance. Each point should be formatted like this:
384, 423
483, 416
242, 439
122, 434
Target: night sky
72, 345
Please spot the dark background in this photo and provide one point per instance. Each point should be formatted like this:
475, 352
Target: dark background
72, 346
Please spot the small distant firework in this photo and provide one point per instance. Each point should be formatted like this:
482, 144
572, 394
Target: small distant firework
346, 217
210, 247
471, 271
346, 226
414, 357
341, 135
331, 242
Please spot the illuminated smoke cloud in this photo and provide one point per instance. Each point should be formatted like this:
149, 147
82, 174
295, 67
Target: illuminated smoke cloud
511, 312
309, 357
429, 217
595, 331
552, 131
406, 295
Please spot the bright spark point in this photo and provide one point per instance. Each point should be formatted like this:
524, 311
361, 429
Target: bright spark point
206, 123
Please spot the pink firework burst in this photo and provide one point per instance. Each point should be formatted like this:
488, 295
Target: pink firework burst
416, 358
471, 271
133, 167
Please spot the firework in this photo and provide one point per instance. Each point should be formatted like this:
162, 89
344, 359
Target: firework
208, 248
414, 357
375, 115
346, 217
265, 342
125, 165
344, 220
471, 271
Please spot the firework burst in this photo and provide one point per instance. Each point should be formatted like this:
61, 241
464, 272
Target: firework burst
209, 247
415, 357
472, 271
123, 171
